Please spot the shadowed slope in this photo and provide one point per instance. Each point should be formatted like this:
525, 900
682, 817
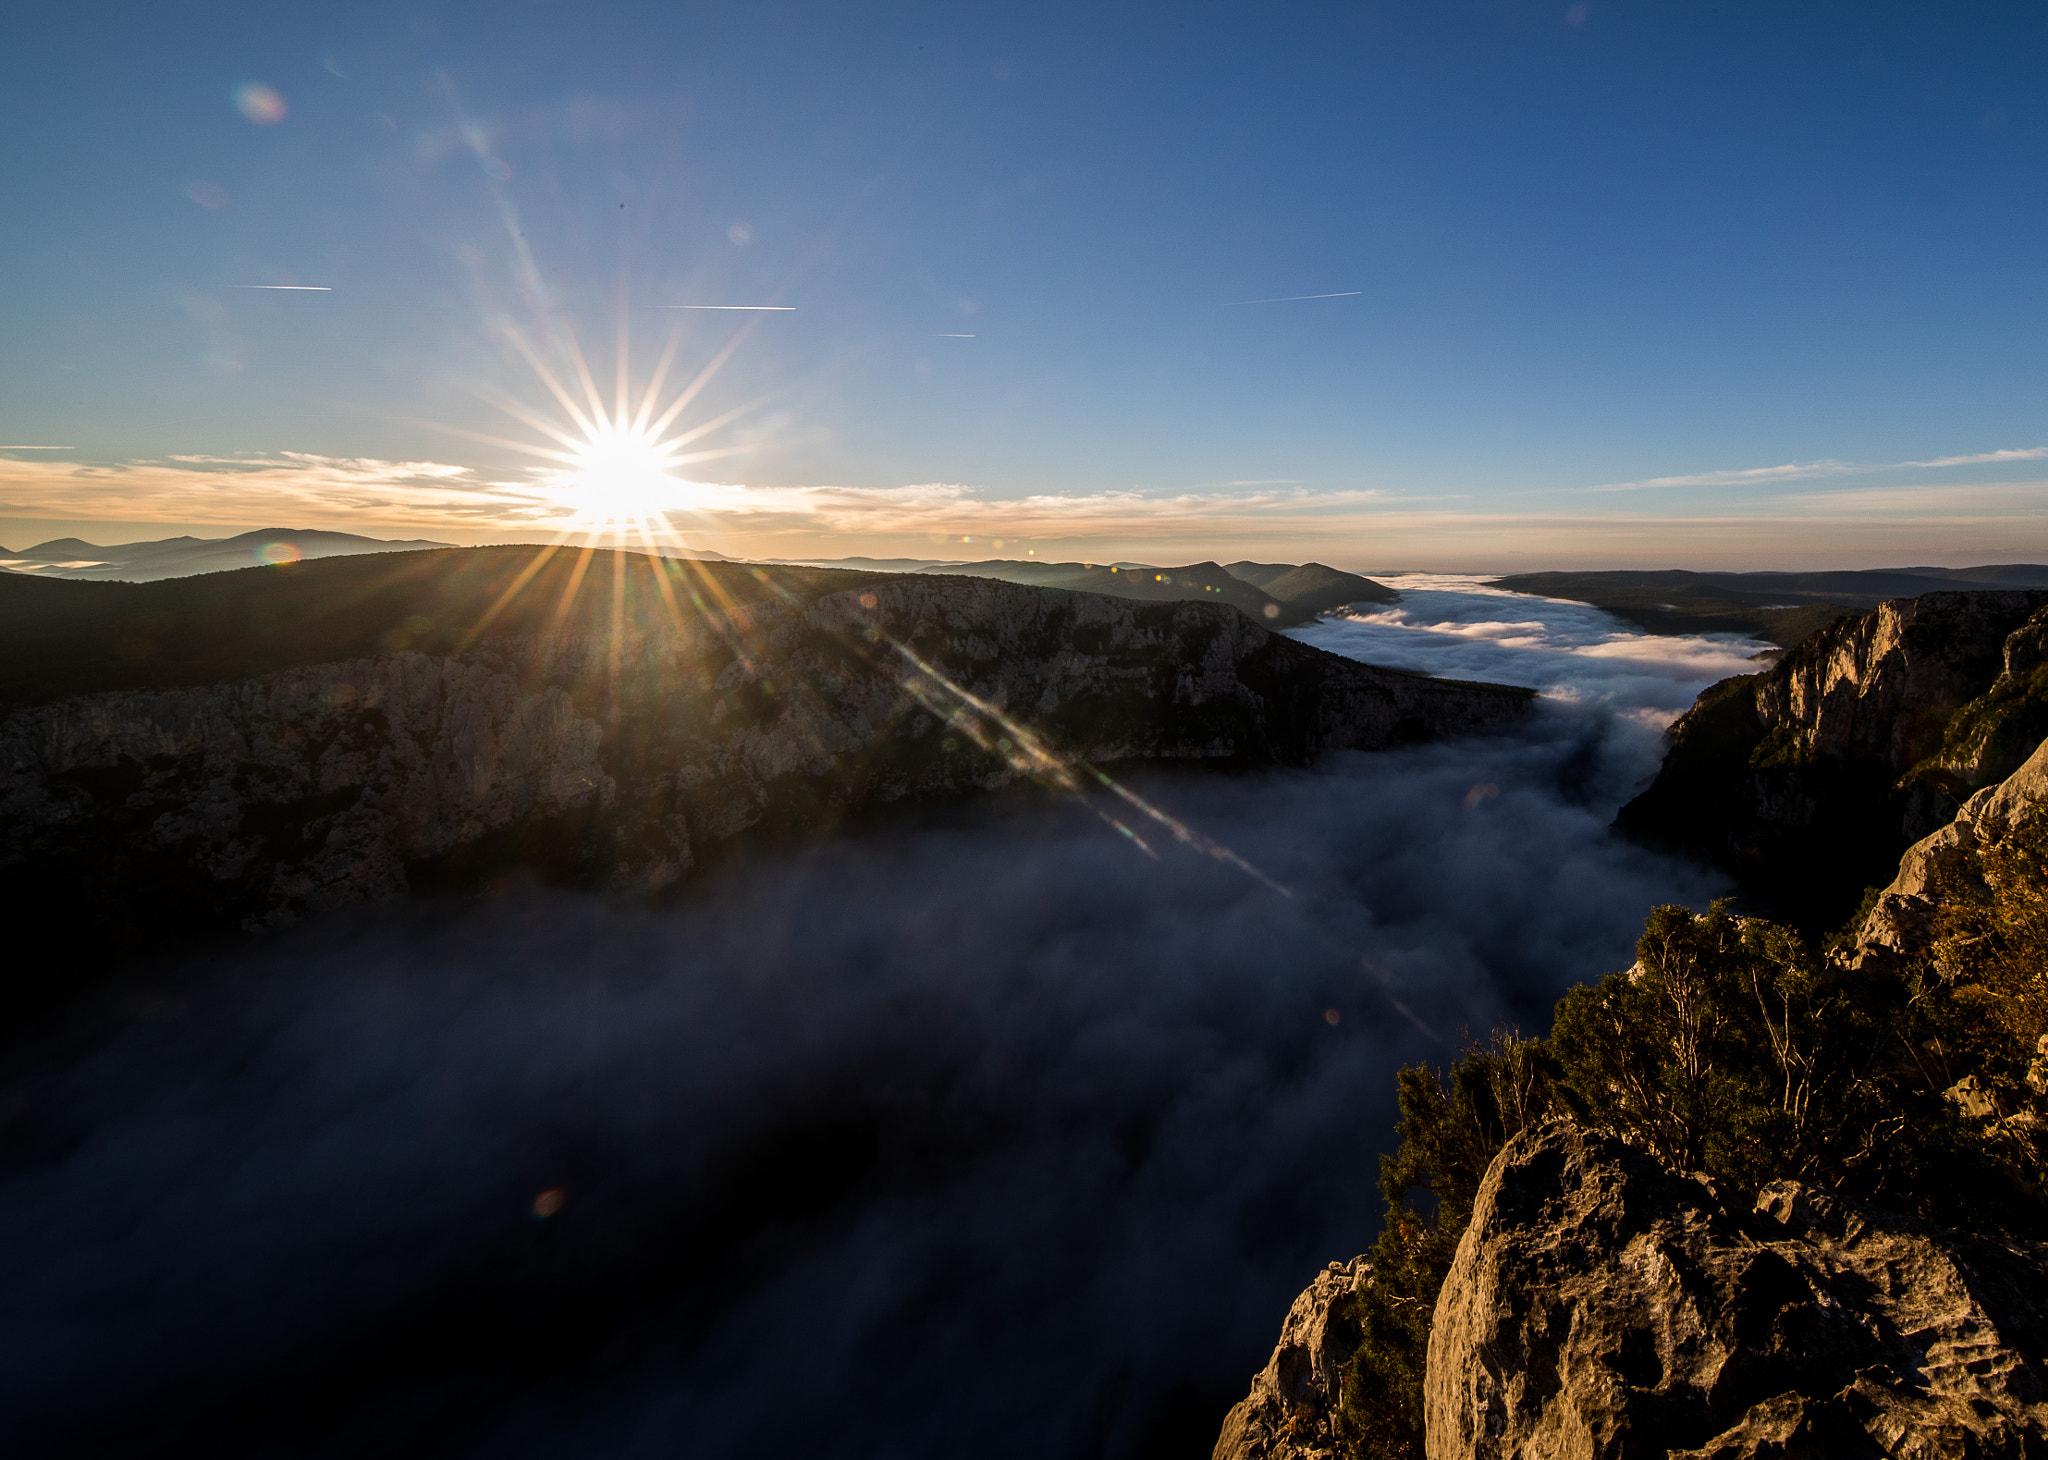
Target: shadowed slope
1312, 586
252, 747
1194, 583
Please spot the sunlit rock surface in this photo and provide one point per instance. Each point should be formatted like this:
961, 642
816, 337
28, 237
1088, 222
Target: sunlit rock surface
1600, 1305
616, 748
1293, 1401
1901, 922
1811, 777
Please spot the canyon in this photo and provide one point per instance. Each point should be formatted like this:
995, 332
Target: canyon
249, 749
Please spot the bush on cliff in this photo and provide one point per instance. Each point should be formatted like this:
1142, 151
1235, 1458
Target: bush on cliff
1731, 1049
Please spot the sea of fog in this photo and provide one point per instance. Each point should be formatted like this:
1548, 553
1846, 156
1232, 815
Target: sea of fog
987, 1135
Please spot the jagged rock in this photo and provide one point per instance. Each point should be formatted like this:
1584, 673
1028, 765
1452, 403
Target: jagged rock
1900, 923
1989, 738
1601, 1305
1287, 1415
615, 750
1811, 777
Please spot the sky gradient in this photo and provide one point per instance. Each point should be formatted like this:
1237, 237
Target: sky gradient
1706, 285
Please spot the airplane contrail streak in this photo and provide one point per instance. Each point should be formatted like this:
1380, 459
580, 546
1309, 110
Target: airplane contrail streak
783, 308
295, 288
1291, 298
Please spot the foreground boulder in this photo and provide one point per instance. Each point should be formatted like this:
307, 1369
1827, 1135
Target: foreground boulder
1601, 1305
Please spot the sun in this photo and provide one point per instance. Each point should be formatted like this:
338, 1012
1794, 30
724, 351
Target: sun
620, 475
614, 470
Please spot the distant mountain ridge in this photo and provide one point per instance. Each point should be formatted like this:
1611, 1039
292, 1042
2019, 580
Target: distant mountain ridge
182, 557
1280, 595
1193, 582
1781, 607
1311, 586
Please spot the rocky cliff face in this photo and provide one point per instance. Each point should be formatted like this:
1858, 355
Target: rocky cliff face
1810, 778
618, 751
1600, 1305
1900, 923
1288, 1414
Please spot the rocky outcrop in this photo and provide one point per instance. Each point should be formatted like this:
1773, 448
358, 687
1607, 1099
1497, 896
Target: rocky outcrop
1288, 1414
616, 751
1988, 738
1810, 778
1900, 925
1600, 1305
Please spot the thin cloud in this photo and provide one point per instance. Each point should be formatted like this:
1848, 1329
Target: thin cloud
1950, 501
197, 488
1795, 470
2026, 453
1791, 470
1296, 298
1357, 529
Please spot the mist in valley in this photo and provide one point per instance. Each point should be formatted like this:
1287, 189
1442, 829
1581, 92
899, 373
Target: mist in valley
991, 1132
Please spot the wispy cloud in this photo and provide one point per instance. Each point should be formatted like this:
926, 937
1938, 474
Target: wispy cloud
1744, 476
1796, 470
1297, 298
2025, 453
1824, 524
424, 494
242, 489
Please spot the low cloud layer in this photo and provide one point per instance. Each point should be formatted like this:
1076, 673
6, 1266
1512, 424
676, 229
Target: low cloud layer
989, 1135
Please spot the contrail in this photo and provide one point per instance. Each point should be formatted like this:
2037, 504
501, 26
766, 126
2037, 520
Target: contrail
38, 448
785, 308
1291, 298
298, 288
953, 337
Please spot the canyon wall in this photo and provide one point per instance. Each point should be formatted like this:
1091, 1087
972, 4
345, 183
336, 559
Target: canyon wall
1810, 778
619, 751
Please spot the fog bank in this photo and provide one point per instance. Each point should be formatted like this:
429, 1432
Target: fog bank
990, 1135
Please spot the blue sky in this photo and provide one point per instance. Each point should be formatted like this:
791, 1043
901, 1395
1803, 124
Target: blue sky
1695, 284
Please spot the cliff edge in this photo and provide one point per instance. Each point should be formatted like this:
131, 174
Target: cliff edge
1810, 778
607, 720
1600, 1305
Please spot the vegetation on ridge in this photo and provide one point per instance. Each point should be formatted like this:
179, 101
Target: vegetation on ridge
1732, 1049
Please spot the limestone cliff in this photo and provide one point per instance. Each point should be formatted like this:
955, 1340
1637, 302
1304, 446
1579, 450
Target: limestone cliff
1600, 1305
618, 746
1811, 777
1288, 1414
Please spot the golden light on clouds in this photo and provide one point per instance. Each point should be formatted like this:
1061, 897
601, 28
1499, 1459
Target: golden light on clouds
598, 481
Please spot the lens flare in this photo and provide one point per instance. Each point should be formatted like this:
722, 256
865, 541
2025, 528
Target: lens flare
260, 104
